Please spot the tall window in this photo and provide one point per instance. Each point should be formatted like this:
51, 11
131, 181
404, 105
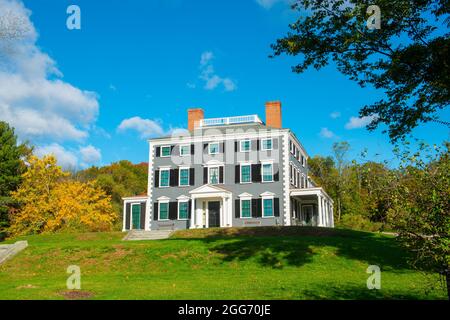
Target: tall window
213, 148
246, 208
163, 211
267, 172
267, 144
267, 207
165, 151
213, 175
185, 150
246, 173
183, 210
184, 176
164, 178
245, 145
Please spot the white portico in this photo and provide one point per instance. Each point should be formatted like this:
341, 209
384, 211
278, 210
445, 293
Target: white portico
311, 206
211, 206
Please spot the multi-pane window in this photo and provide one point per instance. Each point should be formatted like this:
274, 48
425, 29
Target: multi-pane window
267, 144
163, 211
164, 178
245, 145
267, 207
246, 208
214, 175
184, 176
165, 151
185, 150
183, 210
267, 172
246, 173
214, 148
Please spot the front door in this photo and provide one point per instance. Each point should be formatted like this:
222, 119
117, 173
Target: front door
214, 214
136, 215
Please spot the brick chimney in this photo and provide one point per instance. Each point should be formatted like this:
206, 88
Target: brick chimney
194, 117
273, 114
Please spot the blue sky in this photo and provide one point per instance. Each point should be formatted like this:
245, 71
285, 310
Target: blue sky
139, 63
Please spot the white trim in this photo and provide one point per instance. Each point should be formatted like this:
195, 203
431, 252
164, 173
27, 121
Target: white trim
163, 198
267, 194
178, 209
179, 176
218, 174
161, 152
218, 147
240, 204
240, 173
273, 206
160, 175
245, 195
250, 145
286, 187
159, 210
129, 199
185, 145
262, 144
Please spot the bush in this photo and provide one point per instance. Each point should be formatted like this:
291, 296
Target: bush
359, 222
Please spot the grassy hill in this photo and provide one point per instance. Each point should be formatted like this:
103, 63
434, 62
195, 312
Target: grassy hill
236, 263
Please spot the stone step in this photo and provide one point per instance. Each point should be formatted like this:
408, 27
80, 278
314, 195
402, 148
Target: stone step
148, 235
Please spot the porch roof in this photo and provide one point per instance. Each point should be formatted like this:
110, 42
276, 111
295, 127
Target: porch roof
317, 191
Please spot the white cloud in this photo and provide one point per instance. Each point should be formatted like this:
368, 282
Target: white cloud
90, 154
356, 122
326, 133
66, 159
146, 127
33, 97
267, 4
335, 114
209, 76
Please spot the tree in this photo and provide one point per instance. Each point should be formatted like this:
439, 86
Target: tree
420, 209
407, 58
11, 169
49, 201
340, 150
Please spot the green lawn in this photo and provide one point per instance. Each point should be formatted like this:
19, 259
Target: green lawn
251, 263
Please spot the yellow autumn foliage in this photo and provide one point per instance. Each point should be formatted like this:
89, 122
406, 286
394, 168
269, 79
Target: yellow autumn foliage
51, 202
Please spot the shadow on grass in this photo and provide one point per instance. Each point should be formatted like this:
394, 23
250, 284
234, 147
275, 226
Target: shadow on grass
277, 247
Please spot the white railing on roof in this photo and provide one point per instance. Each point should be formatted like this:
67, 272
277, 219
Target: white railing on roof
230, 120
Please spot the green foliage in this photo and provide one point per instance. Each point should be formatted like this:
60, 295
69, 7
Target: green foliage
119, 179
11, 169
407, 58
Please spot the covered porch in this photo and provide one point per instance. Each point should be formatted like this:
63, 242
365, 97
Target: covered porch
311, 207
211, 207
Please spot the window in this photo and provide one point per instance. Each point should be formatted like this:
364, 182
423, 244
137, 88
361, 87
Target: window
246, 175
213, 173
267, 172
185, 150
213, 148
165, 151
245, 145
183, 207
246, 211
266, 144
303, 161
164, 178
184, 177
163, 211
267, 207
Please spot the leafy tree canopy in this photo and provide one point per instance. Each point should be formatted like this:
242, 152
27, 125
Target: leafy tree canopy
407, 57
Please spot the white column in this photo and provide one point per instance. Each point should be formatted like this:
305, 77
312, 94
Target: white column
319, 201
193, 213
332, 216
124, 215
327, 213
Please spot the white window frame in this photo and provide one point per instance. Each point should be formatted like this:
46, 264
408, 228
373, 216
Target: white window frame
170, 152
189, 150
250, 145
179, 176
303, 161
178, 209
271, 144
160, 176
159, 210
240, 173
273, 206
262, 171
218, 147
240, 203
218, 174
